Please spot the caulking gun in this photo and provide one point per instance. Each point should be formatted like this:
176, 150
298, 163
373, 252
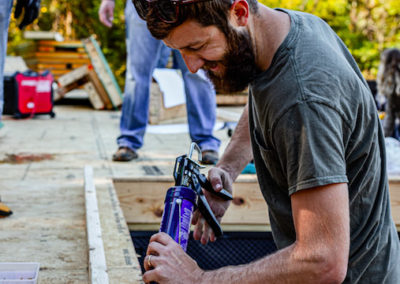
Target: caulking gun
186, 196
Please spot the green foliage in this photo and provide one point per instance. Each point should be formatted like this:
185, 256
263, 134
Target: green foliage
367, 27
76, 19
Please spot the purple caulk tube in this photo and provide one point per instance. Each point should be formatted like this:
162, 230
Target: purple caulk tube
177, 216
185, 196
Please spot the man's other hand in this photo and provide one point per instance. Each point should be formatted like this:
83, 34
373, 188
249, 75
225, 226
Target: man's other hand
167, 263
29, 9
219, 179
106, 12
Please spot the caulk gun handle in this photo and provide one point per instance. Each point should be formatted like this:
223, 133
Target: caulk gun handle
205, 208
206, 184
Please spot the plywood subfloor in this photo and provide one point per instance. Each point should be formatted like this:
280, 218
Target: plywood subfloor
41, 166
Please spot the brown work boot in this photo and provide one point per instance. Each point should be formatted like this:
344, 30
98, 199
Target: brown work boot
124, 154
209, 157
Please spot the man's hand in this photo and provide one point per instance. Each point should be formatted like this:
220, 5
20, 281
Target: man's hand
106, 12
169, 263
219, 179
31, 11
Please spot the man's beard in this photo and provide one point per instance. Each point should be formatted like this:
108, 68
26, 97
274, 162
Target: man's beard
239, 64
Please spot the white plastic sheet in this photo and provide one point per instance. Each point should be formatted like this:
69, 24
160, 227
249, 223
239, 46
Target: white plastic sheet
392, 156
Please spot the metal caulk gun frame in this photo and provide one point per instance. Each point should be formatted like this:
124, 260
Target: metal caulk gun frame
187, 173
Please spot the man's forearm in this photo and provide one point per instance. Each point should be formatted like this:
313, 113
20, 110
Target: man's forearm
238, 153
286, 266
320, 253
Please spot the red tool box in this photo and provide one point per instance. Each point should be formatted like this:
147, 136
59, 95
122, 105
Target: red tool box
28, 94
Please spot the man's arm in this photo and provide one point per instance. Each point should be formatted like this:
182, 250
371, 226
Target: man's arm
106, 12
238, 153
320, 253
236, 156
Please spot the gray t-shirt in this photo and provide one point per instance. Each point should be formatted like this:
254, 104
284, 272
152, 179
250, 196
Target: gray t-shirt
314, 122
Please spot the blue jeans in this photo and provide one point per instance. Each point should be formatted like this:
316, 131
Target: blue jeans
5, 12
143, 55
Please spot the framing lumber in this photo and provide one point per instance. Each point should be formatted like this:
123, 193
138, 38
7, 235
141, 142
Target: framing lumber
63, 44
94, 97
121, 258
103, 71
99, 87
50, 60
235, 99
73, 76
56, 56
97, 259
142, 202
58, 66
43, 35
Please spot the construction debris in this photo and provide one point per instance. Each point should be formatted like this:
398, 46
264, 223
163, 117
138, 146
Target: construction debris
96, 78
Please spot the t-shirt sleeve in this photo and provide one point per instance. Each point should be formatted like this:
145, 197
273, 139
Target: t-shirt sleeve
309, 142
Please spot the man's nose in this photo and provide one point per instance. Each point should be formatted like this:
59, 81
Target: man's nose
193, 62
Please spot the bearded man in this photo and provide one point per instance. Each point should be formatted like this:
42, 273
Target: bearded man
311, 126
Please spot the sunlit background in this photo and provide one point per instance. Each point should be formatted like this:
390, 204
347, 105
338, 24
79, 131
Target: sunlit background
367, 27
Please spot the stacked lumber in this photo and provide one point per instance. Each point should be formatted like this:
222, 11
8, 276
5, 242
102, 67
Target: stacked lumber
57, 57
74, 64
85, 77
95, 78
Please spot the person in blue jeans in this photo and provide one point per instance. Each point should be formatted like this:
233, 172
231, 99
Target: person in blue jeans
31, 11
144, 53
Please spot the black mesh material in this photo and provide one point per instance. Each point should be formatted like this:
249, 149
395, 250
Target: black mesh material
233, 248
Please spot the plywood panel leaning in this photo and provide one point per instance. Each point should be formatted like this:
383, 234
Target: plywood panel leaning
103, 71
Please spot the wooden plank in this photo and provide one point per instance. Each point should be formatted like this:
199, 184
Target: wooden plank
42, 56
73, 76
142, 201
40, 48
103, 71
39, 35
59, 66
94, 97
394, 185
122, 263
64, 44
232, 99
157, 111
63, 90
97, 259
55, 60
54, 72
92, 75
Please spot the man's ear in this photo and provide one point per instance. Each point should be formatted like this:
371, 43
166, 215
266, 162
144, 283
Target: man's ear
240, 12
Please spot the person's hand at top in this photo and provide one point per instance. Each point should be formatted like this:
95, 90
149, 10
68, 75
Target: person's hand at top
106, 12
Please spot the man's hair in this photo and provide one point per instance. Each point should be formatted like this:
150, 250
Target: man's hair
207, 13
